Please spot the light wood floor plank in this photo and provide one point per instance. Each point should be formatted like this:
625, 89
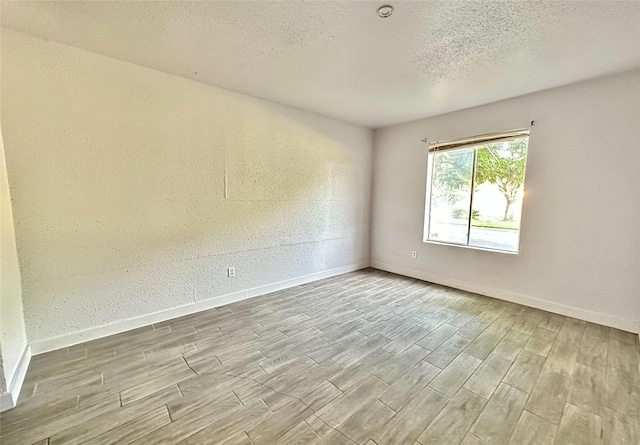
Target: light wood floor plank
447, 351
412, 420
470, 439
587, 388
593, 352
366, 421
367, 357
622, 391
451, 379
455, 419
525, 370
534, 430
541, 341
133, 430
580, 427
239, 420
181, 429
620, 429
500, 415
407, 386
488, 376
301, 434
548, 397
337, 411
397, 365
85, 431
511, 345
276, 425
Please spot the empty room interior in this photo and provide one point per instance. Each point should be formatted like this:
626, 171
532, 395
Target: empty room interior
320, 222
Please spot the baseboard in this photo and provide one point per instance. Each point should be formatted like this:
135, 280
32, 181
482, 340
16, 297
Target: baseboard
582, 314
74, 338
9, 399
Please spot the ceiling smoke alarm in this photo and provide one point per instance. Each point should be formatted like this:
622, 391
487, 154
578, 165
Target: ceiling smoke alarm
385, 11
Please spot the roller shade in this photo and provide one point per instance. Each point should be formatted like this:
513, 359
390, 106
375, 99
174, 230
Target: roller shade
477, 140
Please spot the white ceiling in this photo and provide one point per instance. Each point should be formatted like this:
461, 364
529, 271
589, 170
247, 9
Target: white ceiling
340, 59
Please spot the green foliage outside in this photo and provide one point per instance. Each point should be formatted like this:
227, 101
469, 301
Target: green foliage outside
497, 163
503, 165
452, 173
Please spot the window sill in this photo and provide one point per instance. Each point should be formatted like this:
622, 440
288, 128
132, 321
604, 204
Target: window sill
484, 249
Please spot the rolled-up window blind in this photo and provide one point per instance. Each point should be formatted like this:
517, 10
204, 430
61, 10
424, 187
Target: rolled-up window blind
477, 140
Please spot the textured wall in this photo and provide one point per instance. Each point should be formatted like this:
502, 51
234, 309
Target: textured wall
13, 340
134, 190
580, 243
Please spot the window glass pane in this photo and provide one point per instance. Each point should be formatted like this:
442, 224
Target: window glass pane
451, 196
497, 196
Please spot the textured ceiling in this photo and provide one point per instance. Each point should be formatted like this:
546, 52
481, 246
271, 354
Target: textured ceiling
340, 59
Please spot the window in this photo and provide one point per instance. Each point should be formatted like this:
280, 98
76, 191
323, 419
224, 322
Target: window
475, 188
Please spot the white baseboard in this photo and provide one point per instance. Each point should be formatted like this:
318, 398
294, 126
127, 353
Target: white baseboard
74, 338
550, 306
9, 399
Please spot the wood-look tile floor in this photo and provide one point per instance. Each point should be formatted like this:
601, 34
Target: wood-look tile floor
367, 357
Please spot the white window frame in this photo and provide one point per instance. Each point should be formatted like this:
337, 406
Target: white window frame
467, 142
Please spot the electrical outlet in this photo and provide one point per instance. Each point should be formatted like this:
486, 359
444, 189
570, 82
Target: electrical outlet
414, 254
231, 272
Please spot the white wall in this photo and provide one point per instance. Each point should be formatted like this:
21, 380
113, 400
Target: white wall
13, 340
134, 190
580, 239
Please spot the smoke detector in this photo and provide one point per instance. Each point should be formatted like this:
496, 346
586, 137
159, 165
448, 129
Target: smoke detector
385, 11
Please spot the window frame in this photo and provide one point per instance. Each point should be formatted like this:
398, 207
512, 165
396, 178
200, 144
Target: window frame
474, 142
